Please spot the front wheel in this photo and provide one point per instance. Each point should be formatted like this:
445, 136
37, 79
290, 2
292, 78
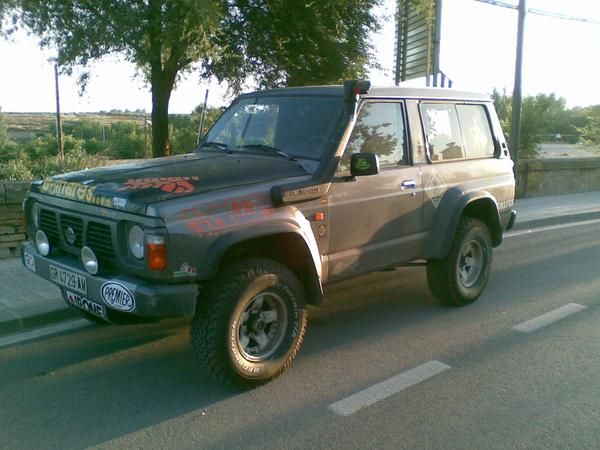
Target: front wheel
249, 323
460, 278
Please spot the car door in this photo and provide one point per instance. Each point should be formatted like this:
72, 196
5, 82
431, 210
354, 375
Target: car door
377, 220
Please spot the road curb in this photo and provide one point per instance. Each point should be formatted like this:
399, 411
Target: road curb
38, 320
556, 220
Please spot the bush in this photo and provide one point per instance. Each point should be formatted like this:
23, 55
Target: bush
10, 151
16, 170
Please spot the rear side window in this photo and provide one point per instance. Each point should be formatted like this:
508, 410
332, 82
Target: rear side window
476, 131
457, 131
443, 131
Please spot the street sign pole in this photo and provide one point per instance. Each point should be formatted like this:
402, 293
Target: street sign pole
516, 106
59, 134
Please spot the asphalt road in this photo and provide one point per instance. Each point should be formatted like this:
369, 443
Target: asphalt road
437, 377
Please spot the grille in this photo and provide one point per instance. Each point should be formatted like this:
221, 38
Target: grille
49, 225
99, 239
96, 235
76, 224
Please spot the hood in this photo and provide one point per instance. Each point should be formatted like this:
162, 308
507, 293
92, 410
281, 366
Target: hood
132, 187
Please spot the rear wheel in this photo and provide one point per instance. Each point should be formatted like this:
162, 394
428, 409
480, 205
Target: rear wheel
249, 323
460, 278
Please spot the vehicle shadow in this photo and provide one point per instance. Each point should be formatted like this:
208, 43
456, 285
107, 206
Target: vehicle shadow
131, 377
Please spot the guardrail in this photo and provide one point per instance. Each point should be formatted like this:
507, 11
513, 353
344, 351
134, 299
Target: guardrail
539, 177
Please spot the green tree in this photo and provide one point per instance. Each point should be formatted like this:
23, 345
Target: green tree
295, 43
3, 130
277, 41
541, 115
8, 149
162, 37
590, 129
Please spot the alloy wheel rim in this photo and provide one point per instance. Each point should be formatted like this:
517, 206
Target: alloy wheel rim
262, 326
470, 263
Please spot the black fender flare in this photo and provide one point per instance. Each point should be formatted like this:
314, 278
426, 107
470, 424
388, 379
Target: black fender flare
479, 204
217, 250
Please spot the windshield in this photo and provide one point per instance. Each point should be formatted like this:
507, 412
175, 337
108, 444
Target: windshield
300, 127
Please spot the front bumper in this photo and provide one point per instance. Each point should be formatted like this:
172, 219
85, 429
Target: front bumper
117, 295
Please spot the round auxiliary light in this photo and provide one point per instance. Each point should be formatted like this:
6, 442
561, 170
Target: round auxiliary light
35, 215
89, 260
42, 243
136, 243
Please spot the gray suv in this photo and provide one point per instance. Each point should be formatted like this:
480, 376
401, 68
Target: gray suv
290, 190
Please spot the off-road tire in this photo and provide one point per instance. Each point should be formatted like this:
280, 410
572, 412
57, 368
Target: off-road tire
459, 279
220, 327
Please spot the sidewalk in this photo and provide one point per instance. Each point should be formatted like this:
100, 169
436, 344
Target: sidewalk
28, 301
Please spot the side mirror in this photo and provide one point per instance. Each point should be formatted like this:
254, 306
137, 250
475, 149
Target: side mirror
362, 164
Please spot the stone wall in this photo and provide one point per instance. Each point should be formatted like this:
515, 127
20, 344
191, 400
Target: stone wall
558, 176
12, 231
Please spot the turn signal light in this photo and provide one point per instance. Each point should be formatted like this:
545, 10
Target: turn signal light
156, 252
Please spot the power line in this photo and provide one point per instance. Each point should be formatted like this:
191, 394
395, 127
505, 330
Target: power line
539, 12
499, 3
563, 16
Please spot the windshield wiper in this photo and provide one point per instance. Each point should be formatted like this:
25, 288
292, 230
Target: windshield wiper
213, 144
268, 148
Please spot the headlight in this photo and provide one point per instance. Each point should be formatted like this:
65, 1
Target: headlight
42, 243
135, 240
89, 260
35, 215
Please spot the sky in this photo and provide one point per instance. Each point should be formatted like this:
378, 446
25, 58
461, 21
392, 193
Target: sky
477, 53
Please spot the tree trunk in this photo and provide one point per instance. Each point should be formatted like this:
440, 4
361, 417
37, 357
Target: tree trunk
162, 85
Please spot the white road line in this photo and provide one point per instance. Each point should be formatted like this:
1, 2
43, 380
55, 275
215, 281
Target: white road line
550, 228
391, 386
549, 318
41, 332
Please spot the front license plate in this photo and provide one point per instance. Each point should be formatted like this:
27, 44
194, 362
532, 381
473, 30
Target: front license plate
29, 261
68, 279
87, 305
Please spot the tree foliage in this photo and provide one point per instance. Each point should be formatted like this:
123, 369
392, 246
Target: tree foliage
295, 43
542, 115
278, 42
162, 37
7, 147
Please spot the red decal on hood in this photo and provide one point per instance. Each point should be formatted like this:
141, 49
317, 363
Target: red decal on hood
176, 185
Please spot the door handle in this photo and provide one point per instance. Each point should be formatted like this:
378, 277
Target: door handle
408, 184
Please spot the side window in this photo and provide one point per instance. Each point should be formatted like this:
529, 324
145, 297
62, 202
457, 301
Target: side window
379, 129
443, 131
476, 131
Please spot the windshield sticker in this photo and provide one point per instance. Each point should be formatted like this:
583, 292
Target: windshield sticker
173, 185
75, 191
186, 270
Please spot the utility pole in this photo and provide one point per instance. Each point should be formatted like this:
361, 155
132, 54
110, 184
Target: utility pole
516, 106
437, 39
61, 150
146, 123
